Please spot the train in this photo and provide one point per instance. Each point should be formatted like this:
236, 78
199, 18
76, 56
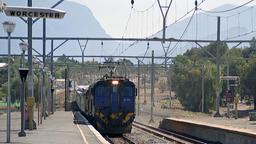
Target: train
108, 104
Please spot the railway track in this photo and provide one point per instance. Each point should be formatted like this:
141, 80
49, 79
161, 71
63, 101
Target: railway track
144, 134
119, 140
167, 135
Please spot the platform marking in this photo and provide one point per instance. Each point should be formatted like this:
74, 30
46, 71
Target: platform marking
82, 134
98, 135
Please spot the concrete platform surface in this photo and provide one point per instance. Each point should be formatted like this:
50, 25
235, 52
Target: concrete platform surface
56, 129
209, 131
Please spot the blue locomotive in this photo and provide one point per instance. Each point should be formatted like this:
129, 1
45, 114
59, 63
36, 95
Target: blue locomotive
109, 104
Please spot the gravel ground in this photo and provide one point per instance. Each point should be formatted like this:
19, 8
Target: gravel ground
241, 123
140, 137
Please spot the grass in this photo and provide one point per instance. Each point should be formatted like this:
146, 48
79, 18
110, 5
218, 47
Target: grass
4, 104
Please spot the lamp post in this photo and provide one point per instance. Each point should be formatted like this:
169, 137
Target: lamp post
23, 75
23, 47
9, 28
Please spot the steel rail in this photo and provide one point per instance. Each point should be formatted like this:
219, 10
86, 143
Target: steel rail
171, 136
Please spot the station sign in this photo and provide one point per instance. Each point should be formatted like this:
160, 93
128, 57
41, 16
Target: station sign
229, 78
34, 12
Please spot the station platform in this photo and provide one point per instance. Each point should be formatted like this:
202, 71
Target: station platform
56, 129
210, 131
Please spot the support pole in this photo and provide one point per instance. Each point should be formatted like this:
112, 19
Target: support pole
65, 103
165, 61
43, 72
82, 48
30, 99
164, 14
217, 114
203, 89
82, 57
22, 132
8, 132
228, 86
52, 76
138, 87
145, 91
152, 88
170, 88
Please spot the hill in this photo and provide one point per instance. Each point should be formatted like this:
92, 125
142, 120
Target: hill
78, 22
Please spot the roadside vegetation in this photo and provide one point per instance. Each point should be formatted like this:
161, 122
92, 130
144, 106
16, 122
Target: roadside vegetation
184, 76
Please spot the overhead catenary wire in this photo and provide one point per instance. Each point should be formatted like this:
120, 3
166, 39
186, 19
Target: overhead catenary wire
133, 9
145, 52
125, 29
160, 23
185, 30
180, 18
228, 10
147, 9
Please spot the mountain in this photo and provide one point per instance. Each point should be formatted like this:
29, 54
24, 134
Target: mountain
78, 22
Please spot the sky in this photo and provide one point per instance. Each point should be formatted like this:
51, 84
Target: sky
113, 15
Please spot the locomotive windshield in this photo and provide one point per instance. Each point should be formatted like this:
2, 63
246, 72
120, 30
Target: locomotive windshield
102, 96
128, 94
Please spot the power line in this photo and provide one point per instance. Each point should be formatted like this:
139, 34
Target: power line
147, 9
179, 19
188, 12
223, 11
185, 30
126, 27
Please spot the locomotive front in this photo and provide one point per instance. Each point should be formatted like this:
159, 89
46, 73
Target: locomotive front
114, 105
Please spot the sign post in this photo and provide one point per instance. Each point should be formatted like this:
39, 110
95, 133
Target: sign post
31, 12
230, 97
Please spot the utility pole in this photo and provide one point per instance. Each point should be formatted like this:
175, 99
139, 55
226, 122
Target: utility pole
228, 86
66, 81
144, 85
170, 87
164, 11
30, 99
217, 114
166, 51
82, 48
138, 87
152, 88
51, 78
202, 88
43, 81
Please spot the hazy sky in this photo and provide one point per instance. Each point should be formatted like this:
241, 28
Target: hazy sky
113, 14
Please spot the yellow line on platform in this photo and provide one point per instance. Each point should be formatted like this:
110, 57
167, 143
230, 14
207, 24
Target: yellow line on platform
81, 132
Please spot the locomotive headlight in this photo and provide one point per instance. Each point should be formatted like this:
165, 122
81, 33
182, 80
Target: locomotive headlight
114, 82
